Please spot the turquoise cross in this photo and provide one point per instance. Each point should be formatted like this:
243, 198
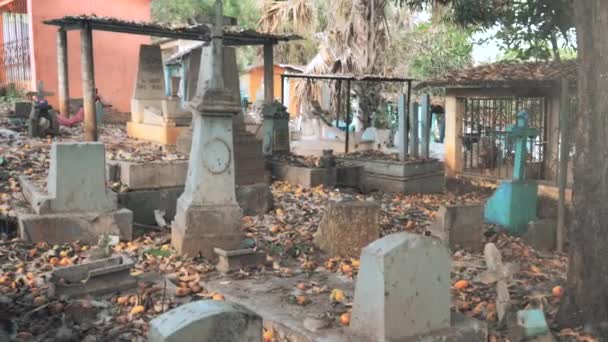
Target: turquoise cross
521, 132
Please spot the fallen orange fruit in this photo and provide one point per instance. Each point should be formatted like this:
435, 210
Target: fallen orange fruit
218, 296
346, 268
268, 336
461, 284
558, 292
345, 318
137, 310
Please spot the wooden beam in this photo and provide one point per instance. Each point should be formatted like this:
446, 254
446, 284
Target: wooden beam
88, 83
62, 73
268, 74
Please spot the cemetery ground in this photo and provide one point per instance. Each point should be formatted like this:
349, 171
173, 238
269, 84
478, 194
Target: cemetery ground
297, 283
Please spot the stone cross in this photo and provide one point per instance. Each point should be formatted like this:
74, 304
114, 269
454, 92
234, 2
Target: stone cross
521, 132
207, 214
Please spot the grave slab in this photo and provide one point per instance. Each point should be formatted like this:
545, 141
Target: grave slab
460, 226
207, 321
410, 176
347, 227
305, 177
403, 293
541, 234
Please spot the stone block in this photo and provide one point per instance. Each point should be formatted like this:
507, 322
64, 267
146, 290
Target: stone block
231, 261
347, 227
254, 199
207, 321
160, 134
68, 227
460, 226
541, 234
532, 323
150, 175
403, 288
200, 229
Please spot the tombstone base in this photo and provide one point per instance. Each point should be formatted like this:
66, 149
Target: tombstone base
513, 206
56, 229
200, 229
160, 134
254, 199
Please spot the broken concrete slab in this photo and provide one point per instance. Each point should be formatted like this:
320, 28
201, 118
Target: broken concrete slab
348, 226
69, 227
460, 226
149, 175
207, 321
94, 278
231, 261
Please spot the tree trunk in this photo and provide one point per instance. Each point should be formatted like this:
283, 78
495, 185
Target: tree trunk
586, 301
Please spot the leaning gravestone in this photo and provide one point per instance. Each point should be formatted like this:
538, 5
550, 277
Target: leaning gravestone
76, 204
403, 293
347, 226
207, 321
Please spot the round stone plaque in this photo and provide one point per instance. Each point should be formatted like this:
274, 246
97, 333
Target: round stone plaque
216, 156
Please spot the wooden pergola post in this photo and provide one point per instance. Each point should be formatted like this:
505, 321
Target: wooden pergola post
268, 74
88, 83
62, 72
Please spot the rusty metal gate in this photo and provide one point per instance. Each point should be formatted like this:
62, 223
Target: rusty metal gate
15, 45
487, 150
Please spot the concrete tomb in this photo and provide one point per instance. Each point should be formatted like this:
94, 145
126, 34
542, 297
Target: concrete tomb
76, 204
208, 215
410, 176
403, 293
347, 226
154, 116
460, 226
207, 321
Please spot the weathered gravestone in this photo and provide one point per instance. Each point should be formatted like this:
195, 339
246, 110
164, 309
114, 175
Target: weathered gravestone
150, 85
208, 215
207, 321
403, 293
253, 193
347, 226
276, 128
460, 226
76, 204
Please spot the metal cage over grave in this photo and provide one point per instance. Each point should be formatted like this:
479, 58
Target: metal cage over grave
486, 149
